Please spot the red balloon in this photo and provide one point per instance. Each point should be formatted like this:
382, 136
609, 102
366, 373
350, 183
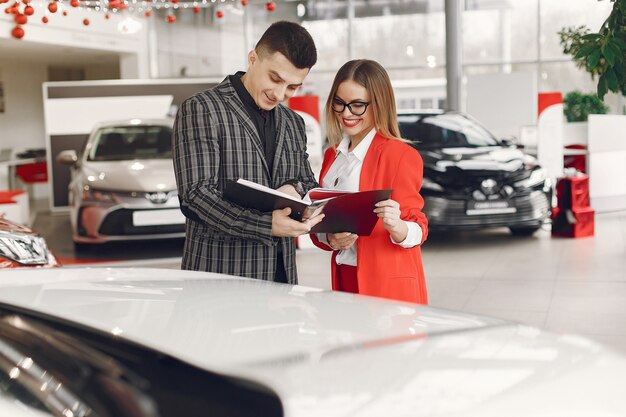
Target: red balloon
244, 2
86, 22
74, 3
270, 6
171, 18
196, 10
219, 14
28, 10
52, 7
44, 19
148, 13
17, 32
21, 19
23, 1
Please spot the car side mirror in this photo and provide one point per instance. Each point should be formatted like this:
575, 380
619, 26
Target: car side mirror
67, 157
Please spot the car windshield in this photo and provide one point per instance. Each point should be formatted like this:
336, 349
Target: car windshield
131, 142
444, 131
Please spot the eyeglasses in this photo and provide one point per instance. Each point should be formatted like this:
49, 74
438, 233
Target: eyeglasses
357, 108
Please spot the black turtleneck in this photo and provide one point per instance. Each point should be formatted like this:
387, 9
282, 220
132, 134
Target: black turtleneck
264, 120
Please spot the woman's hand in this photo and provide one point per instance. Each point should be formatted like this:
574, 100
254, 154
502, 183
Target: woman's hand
389, 213
341, 241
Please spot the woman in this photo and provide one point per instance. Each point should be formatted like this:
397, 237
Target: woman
367, 153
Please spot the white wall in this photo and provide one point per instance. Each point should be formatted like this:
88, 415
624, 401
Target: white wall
21, 125
198, 49
514, 96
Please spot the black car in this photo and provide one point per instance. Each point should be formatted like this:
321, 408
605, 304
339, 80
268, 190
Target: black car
473, 180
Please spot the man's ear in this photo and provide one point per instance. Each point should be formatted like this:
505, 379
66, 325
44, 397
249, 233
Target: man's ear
252, 57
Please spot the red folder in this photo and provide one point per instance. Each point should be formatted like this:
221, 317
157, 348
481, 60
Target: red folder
344, 211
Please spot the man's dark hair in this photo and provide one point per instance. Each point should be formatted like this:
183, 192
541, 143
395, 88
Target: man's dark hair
291, 40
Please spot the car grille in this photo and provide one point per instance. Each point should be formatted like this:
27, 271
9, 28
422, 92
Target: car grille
120, 222
461, 183
532, 209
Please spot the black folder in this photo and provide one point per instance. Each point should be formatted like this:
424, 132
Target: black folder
347, 212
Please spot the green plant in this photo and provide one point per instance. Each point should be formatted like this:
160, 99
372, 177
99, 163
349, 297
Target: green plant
577, 106
603, 53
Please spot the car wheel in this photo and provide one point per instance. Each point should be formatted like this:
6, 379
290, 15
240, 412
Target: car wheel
524, 231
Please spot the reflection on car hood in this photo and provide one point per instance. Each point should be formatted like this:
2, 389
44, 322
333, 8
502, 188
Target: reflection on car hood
10, 226
484, 158
336, 354
134, 175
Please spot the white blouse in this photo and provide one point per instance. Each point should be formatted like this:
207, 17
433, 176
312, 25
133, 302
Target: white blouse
344, 174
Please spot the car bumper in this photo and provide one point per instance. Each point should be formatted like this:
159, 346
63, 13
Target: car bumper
532, 209
100, 224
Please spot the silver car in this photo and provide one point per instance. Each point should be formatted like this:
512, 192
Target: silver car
167, 343
123, 184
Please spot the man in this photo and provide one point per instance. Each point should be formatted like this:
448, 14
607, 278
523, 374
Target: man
239, 129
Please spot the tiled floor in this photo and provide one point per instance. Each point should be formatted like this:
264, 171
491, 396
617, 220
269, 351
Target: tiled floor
564, 285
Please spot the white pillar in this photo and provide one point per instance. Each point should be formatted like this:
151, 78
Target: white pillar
454, 31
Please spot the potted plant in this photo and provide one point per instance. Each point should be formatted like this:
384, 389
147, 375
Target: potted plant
577, 106
601, 53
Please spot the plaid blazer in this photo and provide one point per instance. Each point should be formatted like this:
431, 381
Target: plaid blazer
215, 140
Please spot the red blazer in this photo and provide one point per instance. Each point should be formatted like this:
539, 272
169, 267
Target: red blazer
385, 269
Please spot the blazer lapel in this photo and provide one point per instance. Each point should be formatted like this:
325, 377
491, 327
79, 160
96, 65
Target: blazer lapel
326, 165
236, 105
370, 164
281, 134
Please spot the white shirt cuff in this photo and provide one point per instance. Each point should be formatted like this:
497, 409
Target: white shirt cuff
322, 238
413, 236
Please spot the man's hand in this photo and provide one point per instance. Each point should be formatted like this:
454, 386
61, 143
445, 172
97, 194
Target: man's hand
289, 189
341, 241
285, 226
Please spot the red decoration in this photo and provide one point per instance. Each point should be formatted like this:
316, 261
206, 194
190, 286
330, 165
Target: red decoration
52, 7
44, 19
64, 13
86, 22
21, 19
28, 10
174, 1
171, 18
196, 10
244, 3
17, 32
148, 13
107, 16
23, 1
74, 3
270, 6
219, 14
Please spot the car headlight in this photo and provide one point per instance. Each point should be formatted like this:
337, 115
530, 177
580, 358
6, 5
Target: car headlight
23, 249
428, 184
536, 177
90, 194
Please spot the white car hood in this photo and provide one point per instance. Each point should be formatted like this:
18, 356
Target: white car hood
134, 175
336, 354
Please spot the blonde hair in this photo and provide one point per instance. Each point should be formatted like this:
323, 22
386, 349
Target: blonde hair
373, 77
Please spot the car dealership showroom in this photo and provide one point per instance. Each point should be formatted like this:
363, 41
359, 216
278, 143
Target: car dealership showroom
312, 208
